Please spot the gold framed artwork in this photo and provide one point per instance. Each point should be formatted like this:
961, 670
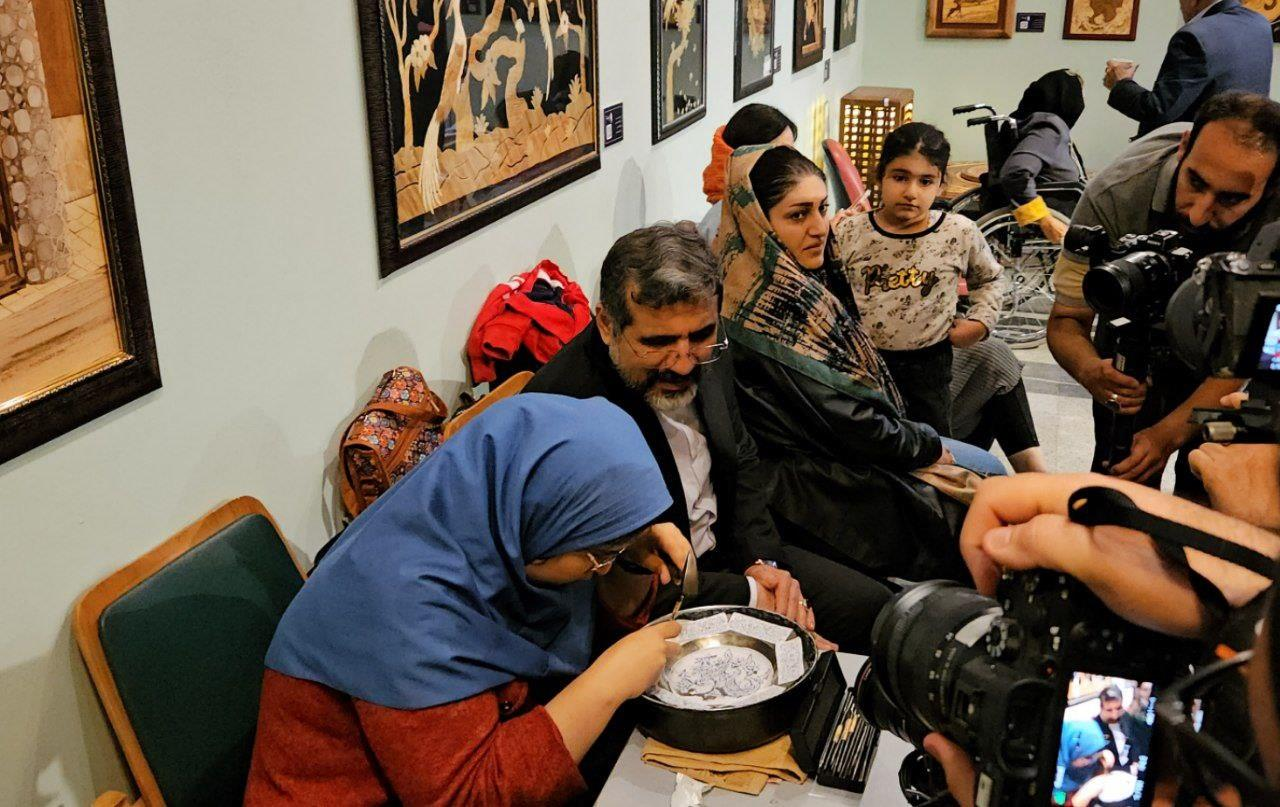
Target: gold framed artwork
1269, 9
810, 34
476, 109
970, 19
1101, 19
752, 47
846, 25
679, 65
76, 339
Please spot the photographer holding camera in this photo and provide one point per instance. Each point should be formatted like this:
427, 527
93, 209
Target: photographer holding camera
1214, 184
1023, 523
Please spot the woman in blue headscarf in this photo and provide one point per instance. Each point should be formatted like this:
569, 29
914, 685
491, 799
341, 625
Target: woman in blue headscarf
400, 672
1082, 755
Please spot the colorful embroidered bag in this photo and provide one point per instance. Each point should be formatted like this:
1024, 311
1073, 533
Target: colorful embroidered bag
399, 428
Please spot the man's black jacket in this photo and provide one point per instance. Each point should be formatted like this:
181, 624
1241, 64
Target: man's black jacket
744, 529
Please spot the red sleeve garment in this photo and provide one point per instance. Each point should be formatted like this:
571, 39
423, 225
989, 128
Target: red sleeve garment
513, 316
318, 746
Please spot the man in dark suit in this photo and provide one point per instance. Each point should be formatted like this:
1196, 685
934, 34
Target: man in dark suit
1223, 46
656, 351
1110, 712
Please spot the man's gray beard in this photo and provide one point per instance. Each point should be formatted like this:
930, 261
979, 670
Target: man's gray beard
655, 399
670, 403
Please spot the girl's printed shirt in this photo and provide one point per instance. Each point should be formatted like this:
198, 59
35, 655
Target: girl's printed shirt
908, 286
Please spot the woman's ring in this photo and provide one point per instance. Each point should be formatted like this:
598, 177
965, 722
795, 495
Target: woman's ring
1114, 398
804, 603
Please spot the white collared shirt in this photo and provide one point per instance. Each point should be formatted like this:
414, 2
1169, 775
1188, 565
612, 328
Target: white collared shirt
685, 435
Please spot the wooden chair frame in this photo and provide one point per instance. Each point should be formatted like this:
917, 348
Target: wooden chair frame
506, 389
89, 610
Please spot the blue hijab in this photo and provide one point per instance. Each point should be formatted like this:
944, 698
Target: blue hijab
424, 599
1080, 738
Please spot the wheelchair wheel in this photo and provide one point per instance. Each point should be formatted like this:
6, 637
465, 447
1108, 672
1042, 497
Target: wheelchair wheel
1028, 259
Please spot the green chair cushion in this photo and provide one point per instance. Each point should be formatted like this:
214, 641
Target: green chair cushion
186, 649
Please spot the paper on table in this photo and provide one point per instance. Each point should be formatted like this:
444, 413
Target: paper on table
696, 629
758, 628
790, 660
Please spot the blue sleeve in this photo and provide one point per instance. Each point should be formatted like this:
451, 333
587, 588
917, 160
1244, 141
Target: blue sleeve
1182, 80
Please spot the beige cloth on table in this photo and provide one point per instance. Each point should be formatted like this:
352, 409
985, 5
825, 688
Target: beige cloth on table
959, 483
744, 772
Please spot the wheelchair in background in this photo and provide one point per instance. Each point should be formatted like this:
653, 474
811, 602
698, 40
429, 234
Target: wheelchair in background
1026, 255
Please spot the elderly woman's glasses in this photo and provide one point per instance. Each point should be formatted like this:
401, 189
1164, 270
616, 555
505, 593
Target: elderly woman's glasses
604, 561
1209, 764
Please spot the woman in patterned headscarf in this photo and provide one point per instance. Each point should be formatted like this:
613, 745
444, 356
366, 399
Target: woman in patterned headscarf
814, 391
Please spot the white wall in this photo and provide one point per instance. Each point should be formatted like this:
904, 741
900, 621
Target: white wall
949, 72
245, 125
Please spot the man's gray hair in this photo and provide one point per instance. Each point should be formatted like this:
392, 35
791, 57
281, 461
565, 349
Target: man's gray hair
656, 267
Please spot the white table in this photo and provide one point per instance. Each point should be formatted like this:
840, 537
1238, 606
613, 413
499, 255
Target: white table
634, 783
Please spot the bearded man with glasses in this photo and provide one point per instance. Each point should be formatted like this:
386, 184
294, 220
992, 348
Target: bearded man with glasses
657, 351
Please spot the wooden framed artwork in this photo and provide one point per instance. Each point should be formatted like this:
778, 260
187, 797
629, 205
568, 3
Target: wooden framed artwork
810, 34
76, 339
752, 47
1101, 19
476, 109
846, 23
970, 19
678, 39
1271, 10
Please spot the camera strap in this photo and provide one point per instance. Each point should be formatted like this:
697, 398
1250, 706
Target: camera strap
1107, 507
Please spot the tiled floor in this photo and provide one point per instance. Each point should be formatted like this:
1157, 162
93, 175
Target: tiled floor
1061, 409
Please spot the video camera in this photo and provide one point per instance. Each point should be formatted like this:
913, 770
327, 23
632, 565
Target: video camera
1162, 307
1129, 284
1010, 680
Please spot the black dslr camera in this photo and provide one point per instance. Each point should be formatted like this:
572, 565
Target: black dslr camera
1017, 683
1130, 283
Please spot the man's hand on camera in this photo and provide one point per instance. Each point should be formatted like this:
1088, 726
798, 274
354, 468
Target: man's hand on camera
1243, 481
962, 778
1020, 522
1110, 387
1149, 454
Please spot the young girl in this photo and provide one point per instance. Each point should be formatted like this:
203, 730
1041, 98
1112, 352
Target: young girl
905, 262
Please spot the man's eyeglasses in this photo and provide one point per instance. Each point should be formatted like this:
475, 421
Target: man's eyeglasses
1209, 763
700, 353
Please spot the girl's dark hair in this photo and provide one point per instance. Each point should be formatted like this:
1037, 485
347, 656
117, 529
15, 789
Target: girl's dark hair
912, 137
755, 125
777, 172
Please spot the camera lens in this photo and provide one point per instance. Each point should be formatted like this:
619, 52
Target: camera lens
939, 621
1120, 286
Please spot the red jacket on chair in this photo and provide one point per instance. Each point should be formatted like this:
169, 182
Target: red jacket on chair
539, 310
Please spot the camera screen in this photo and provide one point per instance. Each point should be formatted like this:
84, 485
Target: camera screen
1106, 737
1269, 355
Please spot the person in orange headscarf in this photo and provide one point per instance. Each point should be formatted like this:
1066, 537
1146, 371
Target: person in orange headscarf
753, 125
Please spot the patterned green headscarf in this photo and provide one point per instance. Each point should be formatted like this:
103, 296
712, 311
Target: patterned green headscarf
776, 308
